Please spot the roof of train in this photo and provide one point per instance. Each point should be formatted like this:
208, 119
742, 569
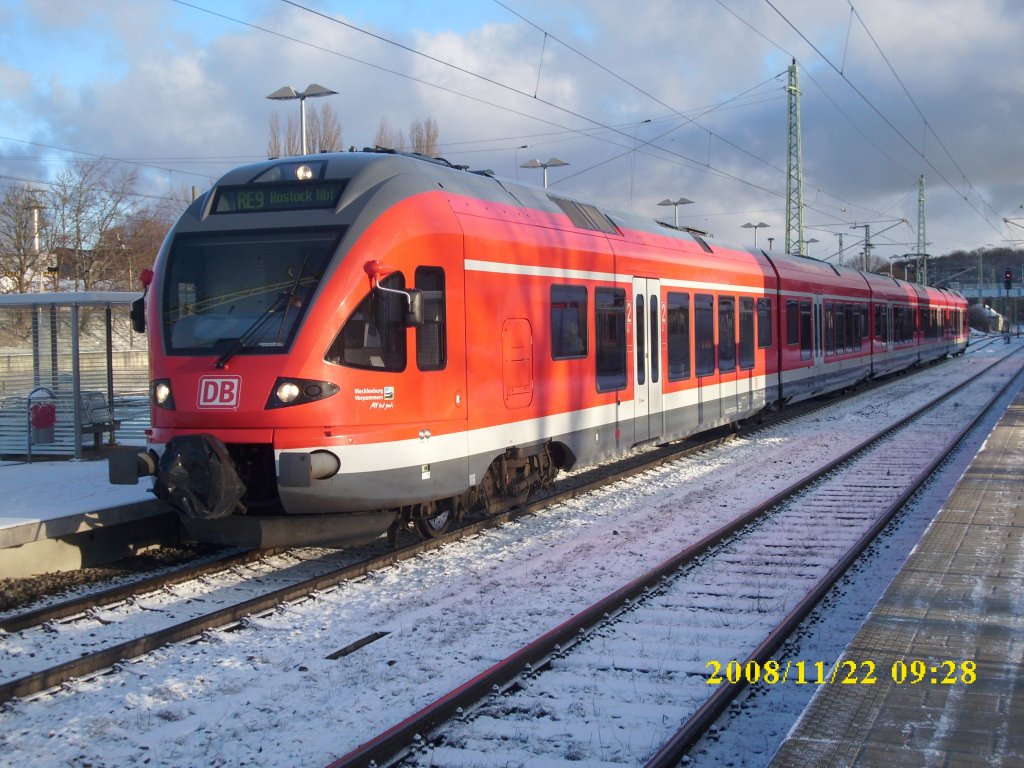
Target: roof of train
407, 174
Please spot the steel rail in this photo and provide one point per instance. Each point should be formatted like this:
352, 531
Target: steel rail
97, 661
113, 595
393, 745
673, 751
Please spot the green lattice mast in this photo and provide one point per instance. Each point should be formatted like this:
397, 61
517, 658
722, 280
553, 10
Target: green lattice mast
922, 244
795, 242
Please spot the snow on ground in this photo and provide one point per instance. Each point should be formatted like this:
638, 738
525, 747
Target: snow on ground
44, 490
763, 715
267, 694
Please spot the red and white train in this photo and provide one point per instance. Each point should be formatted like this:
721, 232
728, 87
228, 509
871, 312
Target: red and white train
345, 344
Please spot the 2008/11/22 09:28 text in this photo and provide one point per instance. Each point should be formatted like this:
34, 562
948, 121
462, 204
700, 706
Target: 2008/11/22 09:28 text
847, 672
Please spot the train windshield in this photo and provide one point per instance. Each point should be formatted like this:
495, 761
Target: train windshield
241, 293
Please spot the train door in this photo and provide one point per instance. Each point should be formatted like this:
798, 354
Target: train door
436, 377
648, 413
728, 385
818, 361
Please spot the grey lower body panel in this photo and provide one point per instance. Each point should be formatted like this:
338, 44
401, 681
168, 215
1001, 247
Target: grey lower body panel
271, 532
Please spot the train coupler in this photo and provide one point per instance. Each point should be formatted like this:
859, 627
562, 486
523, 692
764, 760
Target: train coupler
198, 477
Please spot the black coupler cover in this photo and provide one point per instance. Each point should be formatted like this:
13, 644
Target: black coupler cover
198, 477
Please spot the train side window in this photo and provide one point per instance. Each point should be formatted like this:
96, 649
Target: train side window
726, 334
792, 322
842, 333
568, 322
678, 336
373, 337
432, 336
704, 327
610, 338
746, 333
830, 329
641, 349
806, 335
881, 326
655, 343
764, 323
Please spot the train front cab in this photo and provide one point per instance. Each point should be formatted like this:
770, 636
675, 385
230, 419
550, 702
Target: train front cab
375, 416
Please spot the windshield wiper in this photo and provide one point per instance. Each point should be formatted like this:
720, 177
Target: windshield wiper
243, 341
284, 300
290, 296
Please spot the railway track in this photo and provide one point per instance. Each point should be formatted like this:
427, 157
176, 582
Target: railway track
677, 644
382, 646
101, 630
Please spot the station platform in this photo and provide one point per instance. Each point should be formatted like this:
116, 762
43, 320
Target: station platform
946, 640
65, 515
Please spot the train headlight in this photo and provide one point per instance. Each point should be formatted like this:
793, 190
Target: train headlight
160, 394
298, 391
304, 173
287, 392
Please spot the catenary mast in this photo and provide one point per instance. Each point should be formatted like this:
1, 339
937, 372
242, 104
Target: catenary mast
795, 242
922, 244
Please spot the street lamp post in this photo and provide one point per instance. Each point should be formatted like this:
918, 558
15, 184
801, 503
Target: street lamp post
287, 92
754, 227
553, 162
515, 157
805, 251
35, 207
675, 207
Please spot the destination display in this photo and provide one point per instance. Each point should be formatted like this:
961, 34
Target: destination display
278, 197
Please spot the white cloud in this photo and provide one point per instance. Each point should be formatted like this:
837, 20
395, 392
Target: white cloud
159, 80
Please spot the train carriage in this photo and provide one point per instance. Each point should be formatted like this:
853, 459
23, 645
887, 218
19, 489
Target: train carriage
346, 344
825, 324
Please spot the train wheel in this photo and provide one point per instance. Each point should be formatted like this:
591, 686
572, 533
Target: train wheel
430, 526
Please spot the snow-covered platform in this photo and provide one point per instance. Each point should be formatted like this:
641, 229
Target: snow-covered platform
55, 515
936, 674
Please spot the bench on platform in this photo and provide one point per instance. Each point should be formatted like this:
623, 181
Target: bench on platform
97, 417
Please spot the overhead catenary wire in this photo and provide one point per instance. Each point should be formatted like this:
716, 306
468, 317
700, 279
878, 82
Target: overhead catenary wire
881, 114
702, 165
504, 107
663, 153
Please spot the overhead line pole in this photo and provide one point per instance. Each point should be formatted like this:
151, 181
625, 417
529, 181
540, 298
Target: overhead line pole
794, 170
867, 243
922, 244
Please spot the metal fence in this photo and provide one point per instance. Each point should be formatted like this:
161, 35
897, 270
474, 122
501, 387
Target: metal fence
73, 374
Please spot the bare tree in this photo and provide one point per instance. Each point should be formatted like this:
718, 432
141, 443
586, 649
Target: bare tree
274, 139
87, 201
323, 129
423, 136
133, 245
21, 221
388, 137
286, 142
323, 132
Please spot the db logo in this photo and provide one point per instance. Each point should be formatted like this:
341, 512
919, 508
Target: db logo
219, 391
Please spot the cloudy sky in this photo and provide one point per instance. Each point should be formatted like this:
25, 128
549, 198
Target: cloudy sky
645, 100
